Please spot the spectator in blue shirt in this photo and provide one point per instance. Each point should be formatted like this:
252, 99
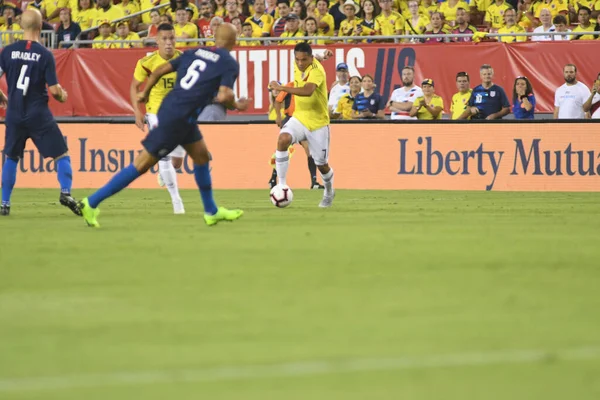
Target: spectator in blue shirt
488, 101
523, 99
368, 104
68, 30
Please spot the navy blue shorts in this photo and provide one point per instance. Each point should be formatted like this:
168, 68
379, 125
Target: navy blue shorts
47, 139
163, 139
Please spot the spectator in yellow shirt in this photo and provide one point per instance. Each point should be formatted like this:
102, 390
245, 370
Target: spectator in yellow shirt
369, 11
248, 32
184, 29
107, 12
105, 35
292, 30
494, 16
389, 22
417, 23
429, 106
461, 99
10, 25
510, 20
584, 25
555, 6
325, 21
86, 14
310, 26
449, 7
351, 26
123, 33
344, 105
129, 7
52, 9
261, 22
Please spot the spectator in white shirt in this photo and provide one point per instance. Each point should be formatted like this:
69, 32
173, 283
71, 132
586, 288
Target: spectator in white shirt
560, 24
401, 100
339, 87
547, 26
592, 105
570, 97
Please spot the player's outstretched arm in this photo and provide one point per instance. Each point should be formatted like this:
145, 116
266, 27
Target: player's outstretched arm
3, 100
226, 97
164, 69
133, 91
58, 93
304, 91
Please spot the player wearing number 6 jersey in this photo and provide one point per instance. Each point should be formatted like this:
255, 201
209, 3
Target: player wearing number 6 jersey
167, 165
310, 121
29, 68
200, 74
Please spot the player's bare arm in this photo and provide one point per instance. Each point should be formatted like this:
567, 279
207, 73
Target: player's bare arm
304, 91
277, 106
3, 99
58, 93
164, 69
397, 106
226, 97
133, 92
470, 111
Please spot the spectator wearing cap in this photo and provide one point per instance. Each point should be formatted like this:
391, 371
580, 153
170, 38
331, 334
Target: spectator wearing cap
461, 98
462, 26
339, 87
231, 6
510, 26
523, 99
292, 30
592, 104
368, 104
85, 14
67, 30
248, 32
584, 25
430, 105
488, 100
107, 12
351, 26
123, 33
283, 6
402, 98
105, 35
10, 25
184, 29
261, 22
325, 21
343, 109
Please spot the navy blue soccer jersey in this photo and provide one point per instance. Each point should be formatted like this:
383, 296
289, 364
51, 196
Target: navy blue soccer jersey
373, 103
488, 101
29, 67
200, 73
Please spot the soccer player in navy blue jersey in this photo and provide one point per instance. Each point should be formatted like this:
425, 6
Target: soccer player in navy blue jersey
29, 67
200, 74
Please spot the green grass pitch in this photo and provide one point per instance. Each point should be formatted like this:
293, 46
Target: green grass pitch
388, 295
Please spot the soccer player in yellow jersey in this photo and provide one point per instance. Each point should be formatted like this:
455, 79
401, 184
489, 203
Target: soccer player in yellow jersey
165, 38
389, 22
494, 16
310, 121
460, 99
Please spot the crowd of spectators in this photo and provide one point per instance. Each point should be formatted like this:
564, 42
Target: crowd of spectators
292, 19
355, 98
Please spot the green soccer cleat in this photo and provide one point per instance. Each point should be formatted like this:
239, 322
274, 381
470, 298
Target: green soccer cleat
222, 214
89, 214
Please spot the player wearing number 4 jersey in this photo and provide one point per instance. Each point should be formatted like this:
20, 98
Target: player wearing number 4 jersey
200, 74
310, 121
29, 68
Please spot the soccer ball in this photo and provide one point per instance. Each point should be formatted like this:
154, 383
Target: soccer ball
281, 196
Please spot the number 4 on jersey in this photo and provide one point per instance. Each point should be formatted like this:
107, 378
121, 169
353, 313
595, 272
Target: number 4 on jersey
23, 81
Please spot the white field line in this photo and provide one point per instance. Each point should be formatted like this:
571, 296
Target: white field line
295, 369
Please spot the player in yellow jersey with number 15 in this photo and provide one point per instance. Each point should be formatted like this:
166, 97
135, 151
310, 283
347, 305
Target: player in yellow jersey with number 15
165, 39
310, 121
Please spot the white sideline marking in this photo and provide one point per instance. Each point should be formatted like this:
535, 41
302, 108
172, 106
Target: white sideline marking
306, 368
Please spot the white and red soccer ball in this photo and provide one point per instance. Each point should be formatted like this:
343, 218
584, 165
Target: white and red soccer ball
281, 196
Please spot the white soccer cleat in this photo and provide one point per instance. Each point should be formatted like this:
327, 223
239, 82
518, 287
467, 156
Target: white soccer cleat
161, 183
178, 207
327, 201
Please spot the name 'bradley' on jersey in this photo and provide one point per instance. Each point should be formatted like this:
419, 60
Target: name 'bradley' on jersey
26, 56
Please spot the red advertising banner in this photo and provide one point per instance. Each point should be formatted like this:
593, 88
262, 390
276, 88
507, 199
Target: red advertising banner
98, 80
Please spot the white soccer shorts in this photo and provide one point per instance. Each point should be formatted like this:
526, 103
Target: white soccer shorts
152, 121
318, 140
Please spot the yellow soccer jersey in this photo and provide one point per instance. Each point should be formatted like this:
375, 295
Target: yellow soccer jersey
389, 25
459, 103
191, 5
312, 111
9, 38
261, 26
482, 5
512, 39
85, 18
103, 45
130, 8
148, 4
344, 106
450, 12
579, 28
112, 14
144, 68
416, 29
348, 28
291, 36
495, 14
131, 36
423, 113
555, 7
52, 5
329, 30
190, 29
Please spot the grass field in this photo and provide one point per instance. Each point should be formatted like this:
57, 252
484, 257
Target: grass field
388, 295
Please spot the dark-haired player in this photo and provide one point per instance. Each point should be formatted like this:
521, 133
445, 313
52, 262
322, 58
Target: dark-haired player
29, 68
